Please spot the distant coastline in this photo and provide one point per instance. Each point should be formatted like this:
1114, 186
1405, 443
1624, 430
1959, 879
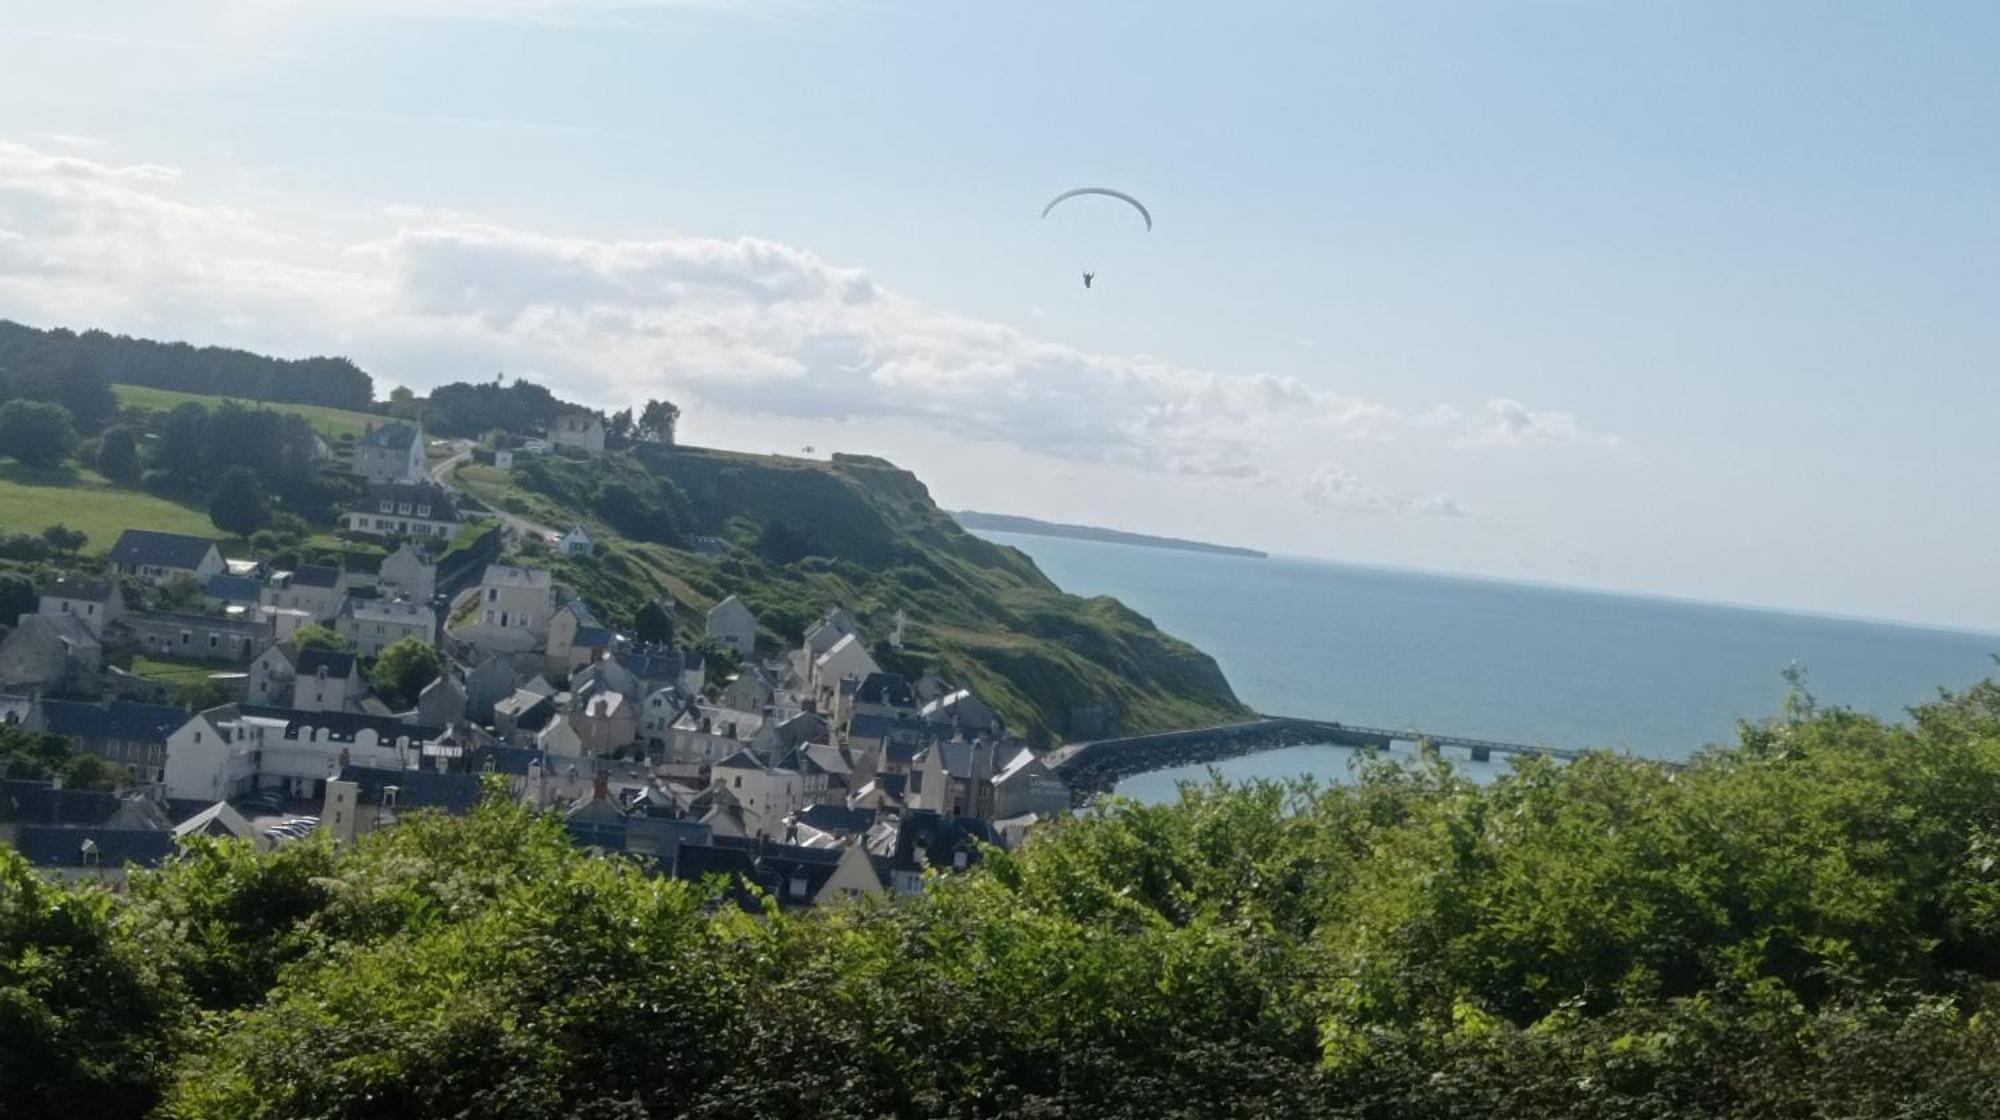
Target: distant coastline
1008, 523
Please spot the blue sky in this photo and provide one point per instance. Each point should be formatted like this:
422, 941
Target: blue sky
1693, 299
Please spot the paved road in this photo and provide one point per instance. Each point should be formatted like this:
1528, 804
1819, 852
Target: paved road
520, 526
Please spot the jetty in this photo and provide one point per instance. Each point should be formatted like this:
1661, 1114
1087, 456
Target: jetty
1097, 765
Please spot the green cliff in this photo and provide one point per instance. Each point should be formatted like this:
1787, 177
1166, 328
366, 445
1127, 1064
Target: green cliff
791, 536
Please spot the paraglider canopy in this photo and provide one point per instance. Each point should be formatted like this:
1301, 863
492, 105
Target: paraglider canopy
1108, 193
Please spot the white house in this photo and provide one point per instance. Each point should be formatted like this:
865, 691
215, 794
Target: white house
372, 624
235, 749
409, 509
581, 430
577, 542
605, 722
409, 574
731, 623
391, 453
770, 794
847, 658
271, 675
158, 557
93, 602
512, 611
326, 680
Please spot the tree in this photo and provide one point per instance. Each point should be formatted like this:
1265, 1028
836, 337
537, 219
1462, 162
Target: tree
62, 538
118, 455
653, 623
314, 636
657, 421
238, 504
35, 433
200, 694
17, 597
403, 670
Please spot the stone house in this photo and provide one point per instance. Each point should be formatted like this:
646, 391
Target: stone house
513, 610
605, 722
121, 732
1025, 786
158, 557
847, 659
581, 430
441, 703
732, 624
197, 637
94, 602
407, 573
374, 624
391, 453
316, 589
768, 793
271, 675
577, 542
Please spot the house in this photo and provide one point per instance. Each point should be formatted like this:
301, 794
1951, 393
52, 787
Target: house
361, 799
197, 637
927, 841
581, 430
954, 779
607, 675
605, 722
792, 875
1025, 785
158, 557
768, 793
521, 716
657, 714
271, 675
837, 624
327, 680
101, 855
226, 590
94, 602
441, 703
513, 609
51, 653
404, 509
752, 689
884, 694
845, 659
221, 821
375, 624
236, 749
390, 453
731, 623
560, 737
122, 732
576, 638
316, 589
961, 711
577, 542
492, 680
284, 622
702, 735
408, 574
656, 667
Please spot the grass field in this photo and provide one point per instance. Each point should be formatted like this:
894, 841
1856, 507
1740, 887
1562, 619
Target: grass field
174, 672
331, 423
33, 500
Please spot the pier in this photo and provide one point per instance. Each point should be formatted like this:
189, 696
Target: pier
1098, 765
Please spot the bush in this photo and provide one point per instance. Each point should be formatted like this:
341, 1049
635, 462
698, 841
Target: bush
118, 455
35, 433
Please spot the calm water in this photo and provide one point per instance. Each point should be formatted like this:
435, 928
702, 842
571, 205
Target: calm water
1386, 648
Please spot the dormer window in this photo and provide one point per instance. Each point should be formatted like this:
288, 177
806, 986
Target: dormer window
388, 506
402, 509
423, 511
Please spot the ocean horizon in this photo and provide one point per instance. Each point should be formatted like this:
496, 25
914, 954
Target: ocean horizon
1452, 654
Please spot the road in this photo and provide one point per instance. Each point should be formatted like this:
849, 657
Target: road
516, 524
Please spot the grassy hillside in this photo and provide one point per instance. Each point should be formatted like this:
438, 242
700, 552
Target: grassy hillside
331, 423
803, 534
33, 500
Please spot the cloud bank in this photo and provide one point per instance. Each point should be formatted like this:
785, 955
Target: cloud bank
744, 325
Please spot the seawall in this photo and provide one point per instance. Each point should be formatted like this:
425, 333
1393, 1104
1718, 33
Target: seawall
1098, 766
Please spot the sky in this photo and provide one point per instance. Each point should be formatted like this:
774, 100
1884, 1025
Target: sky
1693, 299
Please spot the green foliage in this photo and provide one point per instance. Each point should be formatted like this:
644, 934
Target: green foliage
181, 592
64, 356
403, 670
35, 433
62, 538
1800, 926
315, 636
44, 754
238, 505
18, 596
118, 455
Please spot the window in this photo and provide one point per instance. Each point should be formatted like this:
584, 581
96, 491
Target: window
214, 640
387, 506
739, 781
65, 607
90, 608
799, 887
423, 511
403, 509
492, 594
186, 637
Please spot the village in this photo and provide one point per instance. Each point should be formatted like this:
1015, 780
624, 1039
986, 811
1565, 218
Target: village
808, 772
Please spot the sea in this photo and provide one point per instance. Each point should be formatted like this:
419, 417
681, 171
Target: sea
1449, 655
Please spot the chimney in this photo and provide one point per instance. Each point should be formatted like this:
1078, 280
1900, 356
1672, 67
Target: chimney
600, 788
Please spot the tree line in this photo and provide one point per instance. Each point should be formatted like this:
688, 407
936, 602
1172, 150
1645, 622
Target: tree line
1805, 924
59, 354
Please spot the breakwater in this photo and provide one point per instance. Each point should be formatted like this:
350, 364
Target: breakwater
1095, 767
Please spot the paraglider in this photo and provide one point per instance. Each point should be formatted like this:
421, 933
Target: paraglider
1107, 192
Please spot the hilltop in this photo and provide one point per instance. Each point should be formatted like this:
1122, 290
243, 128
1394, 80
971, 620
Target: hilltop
791, 535
1034, 527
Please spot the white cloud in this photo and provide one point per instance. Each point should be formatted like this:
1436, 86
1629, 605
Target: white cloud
1509, 423
745, 326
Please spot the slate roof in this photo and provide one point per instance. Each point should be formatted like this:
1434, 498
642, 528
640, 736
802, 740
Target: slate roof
116, 847
393, 437
340, 727
889, 728
396, 612
87, 590
653, 665
594, 637
887, 689
741, 760
119, 719
233, 588
148, 547
416, 789
442, 505
315, 575
836, 819
507, 575
337, 663
928, 839
248, 627
26, 801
